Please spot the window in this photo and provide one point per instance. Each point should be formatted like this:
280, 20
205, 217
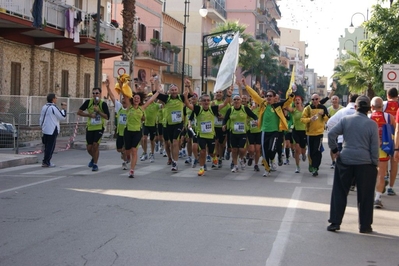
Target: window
141, 36
79, 4
15, 78
86, 93
155, 34
64, 83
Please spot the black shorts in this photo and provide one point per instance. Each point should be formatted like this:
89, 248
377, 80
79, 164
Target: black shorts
94, 136
220, 135
165, 133
159, 129
152, 131
132, 139
174, 131
255, 138
120, 142
299, 136
203, 143
237, 140
288, 136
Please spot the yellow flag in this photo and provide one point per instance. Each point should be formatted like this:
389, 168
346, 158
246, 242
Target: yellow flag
292, 82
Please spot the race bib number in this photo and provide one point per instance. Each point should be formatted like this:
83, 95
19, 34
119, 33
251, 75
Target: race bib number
239, 127
206, 127
218, 121
96, 120
122, 119
176, 117
254, 123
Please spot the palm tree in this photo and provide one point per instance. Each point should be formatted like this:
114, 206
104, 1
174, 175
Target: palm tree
356, 74
128, 36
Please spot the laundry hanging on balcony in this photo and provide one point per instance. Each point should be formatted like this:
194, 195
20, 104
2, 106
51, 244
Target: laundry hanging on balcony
37, 13
73, 18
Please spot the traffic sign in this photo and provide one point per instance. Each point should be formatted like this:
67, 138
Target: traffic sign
388, 86
390, 73
121, 67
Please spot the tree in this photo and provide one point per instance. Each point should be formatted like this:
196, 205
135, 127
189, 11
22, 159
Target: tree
383, 41
128, 15
357, 74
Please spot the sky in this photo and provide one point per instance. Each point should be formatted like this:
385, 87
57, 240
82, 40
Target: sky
321, 23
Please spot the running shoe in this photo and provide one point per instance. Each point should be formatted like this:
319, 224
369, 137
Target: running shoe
234, 169
242, 164
144, 157
188, 160
391, 192
131, 173
378, 204
250, 160
195, 161
220, 163
152, 158
174, 167
124, 166
256, 168
215, 162
95, 168
303, 157
273, 167
201, 171
208, 158
297, 170
91, 163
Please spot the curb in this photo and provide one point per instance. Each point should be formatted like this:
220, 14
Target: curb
11, 160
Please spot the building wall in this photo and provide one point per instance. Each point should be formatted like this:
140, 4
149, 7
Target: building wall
41, 69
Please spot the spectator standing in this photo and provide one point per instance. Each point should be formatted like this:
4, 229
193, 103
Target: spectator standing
50, 118
332, 110
358, 160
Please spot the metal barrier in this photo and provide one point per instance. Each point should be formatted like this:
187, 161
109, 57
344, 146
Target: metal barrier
8, 132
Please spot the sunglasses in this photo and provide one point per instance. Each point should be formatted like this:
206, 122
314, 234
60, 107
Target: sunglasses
96, 93
315, 99
268, 95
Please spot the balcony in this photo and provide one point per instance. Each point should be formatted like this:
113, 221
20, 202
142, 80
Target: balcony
16, 25
217, 10
261, 36
262, 14
154, 54
176, 69
273, 9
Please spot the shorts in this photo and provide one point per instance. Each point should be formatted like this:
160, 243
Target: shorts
165, 133
159, 129
237, 140
288, 136
174, 131
150, 130
120, 142
255, 138
132, 139
94, 136
220, 135
299, 136
203, 143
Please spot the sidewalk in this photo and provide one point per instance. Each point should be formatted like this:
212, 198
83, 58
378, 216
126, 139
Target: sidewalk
31, 152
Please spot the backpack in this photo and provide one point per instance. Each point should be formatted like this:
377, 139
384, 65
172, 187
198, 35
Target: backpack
387, 136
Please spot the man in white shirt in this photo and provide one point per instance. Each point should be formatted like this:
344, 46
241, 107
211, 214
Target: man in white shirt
50, 118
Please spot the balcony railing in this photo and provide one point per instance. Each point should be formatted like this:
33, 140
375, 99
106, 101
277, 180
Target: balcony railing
219, 6
54, 17
157, 52
176, 68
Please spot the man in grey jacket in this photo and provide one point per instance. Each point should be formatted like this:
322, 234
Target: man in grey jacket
358, 159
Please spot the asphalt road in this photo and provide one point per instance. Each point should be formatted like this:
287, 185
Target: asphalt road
69, 215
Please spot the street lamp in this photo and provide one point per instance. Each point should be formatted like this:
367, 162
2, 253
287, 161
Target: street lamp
351, 28
186, 15
344, 52
203, 11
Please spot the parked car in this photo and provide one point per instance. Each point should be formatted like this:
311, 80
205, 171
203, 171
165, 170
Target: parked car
6, 137
10, 127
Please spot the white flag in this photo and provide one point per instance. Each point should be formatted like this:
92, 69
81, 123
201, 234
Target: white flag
225, 77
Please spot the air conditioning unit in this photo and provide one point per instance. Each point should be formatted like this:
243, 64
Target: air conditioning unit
104, 77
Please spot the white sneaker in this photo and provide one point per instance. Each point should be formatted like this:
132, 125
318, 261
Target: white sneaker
297, 170
242, 164
234, 169
124, 166
266, 173
151, 158
144, 157
273, 166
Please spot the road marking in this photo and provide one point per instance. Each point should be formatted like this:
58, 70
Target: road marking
240, 176
31, 184
288, 178
17, 168
146, 170
102, 168
44, 171
189, 172
280, 244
